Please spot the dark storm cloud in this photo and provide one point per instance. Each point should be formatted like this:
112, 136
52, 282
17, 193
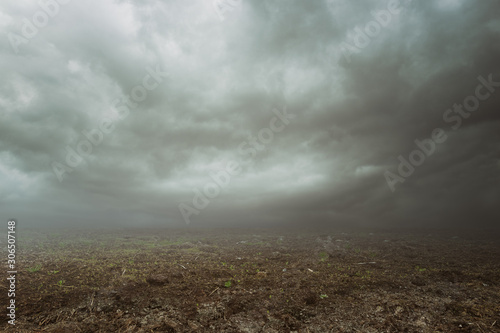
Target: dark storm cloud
355, 113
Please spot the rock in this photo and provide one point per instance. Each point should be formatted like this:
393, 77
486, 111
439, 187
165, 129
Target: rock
171, 324
157, 280
193, 325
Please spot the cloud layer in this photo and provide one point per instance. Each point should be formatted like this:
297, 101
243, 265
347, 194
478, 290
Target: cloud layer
361, 90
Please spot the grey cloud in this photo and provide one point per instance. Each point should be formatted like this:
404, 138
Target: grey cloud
353, 118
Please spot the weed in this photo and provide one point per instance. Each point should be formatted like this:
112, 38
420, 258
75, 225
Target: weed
34, 269
367, 275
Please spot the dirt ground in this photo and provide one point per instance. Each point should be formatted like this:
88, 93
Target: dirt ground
255, 280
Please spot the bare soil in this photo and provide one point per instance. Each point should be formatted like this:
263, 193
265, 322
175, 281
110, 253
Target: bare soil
255, 280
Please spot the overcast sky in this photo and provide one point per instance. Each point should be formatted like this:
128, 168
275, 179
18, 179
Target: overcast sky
300, 108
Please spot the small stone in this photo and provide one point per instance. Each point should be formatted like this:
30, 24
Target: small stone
158, 280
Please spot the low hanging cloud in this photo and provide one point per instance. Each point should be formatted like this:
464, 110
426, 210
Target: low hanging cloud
121, 112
